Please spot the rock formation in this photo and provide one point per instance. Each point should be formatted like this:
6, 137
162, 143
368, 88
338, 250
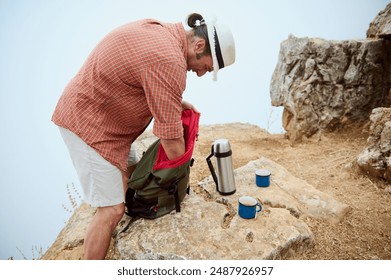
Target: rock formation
380, 27
375, 160
326, 84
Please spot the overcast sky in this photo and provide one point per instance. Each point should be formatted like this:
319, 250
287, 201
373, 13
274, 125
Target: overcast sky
44, 43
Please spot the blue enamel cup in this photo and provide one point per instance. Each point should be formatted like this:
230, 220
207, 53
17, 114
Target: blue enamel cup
262, 178
248, 207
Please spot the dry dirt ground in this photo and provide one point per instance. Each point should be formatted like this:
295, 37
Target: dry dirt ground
325, 162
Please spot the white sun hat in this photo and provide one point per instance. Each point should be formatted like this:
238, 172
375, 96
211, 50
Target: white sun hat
222, 45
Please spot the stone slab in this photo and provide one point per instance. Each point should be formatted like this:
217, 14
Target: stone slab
285, 191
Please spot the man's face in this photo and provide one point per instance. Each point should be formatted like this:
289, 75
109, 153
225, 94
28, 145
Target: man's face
197, 61
200, 64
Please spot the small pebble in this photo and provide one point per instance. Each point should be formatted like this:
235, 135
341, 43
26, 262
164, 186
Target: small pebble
250, 237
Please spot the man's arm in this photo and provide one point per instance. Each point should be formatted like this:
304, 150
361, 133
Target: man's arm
174, 148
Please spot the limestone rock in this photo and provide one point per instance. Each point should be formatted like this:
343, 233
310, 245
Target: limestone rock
210, 230
208, 226
324, 84
380, 27
375, 160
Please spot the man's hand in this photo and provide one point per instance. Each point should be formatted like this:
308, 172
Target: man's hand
187, 105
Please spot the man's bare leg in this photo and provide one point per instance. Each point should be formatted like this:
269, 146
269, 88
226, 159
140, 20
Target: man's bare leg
99, 232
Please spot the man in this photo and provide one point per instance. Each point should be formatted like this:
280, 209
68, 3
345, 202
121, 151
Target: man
136, 73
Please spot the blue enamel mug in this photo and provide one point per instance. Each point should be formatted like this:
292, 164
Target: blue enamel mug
248, 207
262, 178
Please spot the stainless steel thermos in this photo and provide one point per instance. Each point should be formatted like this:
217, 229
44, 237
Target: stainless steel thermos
224, 175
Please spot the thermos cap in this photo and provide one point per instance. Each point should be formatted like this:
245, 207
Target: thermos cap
222, 146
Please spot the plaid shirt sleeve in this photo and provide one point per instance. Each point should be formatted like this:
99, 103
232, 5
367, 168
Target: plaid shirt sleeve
163, 85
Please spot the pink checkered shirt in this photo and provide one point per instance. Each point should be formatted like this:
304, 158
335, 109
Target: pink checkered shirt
136, 73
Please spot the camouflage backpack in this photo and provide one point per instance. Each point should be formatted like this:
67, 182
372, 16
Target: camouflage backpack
159, 185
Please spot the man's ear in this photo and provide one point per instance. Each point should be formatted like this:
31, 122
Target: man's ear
199, 46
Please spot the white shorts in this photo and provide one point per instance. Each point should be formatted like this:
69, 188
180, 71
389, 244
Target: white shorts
100, 180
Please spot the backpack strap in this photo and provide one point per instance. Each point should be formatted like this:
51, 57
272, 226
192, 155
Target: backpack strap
132, 220
173, 190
